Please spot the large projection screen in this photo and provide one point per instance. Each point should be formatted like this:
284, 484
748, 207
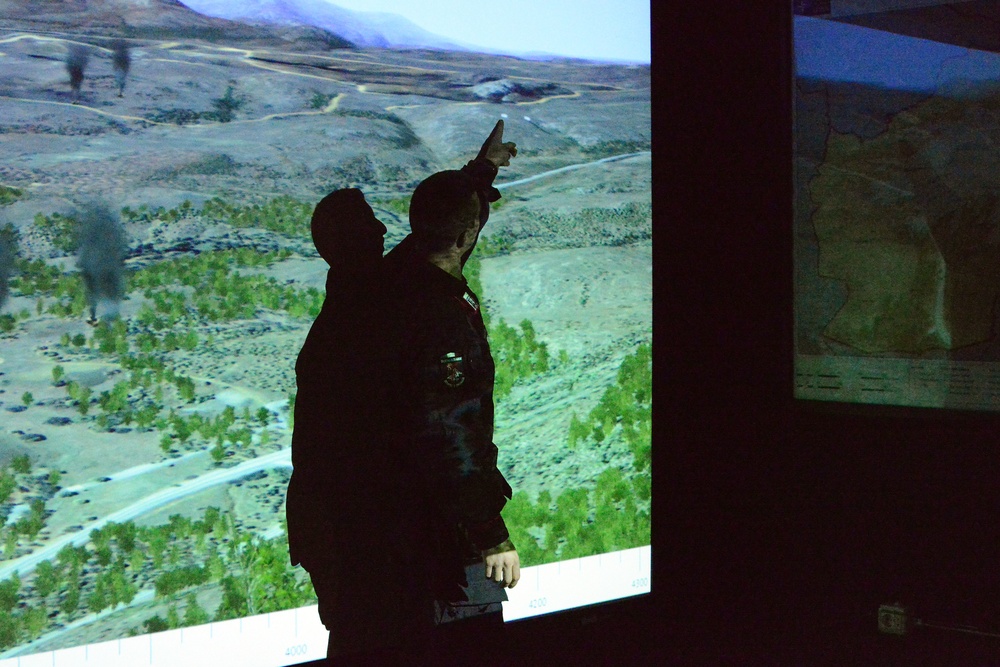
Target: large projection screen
158, 168
897, 203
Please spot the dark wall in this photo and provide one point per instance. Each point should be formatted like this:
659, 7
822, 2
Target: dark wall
788, 525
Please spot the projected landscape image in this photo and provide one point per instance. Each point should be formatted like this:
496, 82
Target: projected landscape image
158, 171
897, 220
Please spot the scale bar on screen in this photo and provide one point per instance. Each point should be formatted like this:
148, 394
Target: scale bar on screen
297, 635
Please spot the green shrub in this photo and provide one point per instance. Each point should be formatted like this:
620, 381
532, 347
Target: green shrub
494, 245
225, 107
175, 116
9, 195
178, 579
320, 100
60, 230
21, 464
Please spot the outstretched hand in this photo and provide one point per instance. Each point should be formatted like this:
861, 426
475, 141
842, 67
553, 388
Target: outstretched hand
495, 150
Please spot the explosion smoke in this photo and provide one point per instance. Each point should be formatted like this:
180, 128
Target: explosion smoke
121, 60
103, 247
76, 63
8, 251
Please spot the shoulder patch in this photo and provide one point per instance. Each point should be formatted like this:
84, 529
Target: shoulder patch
469, 299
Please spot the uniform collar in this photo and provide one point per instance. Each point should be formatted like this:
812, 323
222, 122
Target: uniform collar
434, 276
441, 279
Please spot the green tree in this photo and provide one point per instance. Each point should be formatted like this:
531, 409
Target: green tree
9, 593
193, 613
263, 414
234, 599
173, 618
10, 542
83, 400
172, 581
155, 624
227, 105
34, 620
103, 555
10, 630
98, 600
72, 558
125, 536
7, 486
121, 589
157, 542
27, 399
46, 578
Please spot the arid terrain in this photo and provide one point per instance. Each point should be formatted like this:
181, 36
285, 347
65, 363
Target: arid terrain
247, 123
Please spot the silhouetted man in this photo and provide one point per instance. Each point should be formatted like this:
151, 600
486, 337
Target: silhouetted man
395, 496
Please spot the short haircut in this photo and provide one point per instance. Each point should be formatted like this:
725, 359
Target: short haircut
442, 207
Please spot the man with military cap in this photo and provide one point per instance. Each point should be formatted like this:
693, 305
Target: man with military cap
394, 505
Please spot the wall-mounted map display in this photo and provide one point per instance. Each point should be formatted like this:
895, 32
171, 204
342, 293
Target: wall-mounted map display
897, 207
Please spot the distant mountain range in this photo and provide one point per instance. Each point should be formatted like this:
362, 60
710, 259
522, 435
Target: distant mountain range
146, 18
362, 28
315, 21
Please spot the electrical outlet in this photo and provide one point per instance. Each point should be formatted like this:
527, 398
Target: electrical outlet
892, 619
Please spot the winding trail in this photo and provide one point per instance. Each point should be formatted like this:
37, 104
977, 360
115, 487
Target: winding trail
25, 564
572, 167
253, 58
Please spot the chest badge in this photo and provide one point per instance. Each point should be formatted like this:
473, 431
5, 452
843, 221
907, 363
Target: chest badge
453, 374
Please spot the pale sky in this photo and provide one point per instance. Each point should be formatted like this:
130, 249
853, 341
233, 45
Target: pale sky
594, 29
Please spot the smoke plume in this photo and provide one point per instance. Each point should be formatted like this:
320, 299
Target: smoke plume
8, 251
103, 247
121, 60
76, 63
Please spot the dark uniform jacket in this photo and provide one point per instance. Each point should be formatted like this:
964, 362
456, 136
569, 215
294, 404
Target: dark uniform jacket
446, 374
395, 486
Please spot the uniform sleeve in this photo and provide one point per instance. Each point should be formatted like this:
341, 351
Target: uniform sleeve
452, 435
484, 172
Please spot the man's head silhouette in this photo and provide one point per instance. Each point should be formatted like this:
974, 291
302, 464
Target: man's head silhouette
442, 207
345, 230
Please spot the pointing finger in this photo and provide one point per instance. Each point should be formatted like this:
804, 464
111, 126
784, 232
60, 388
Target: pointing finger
497, 133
